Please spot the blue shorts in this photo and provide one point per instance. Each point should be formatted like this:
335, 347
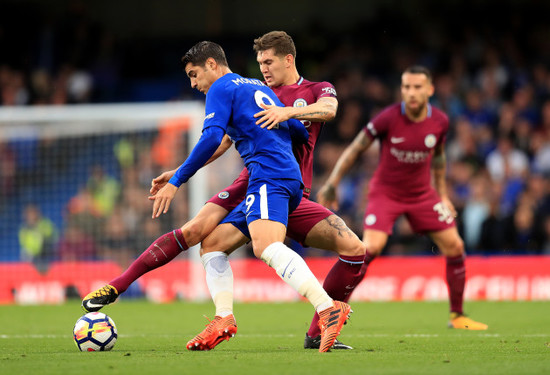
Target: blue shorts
266, 199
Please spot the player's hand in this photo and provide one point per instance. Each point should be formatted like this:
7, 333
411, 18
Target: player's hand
159, 182
327, 197
447, 202
271, 116
162, 199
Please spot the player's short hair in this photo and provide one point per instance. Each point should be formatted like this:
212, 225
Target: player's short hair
280, 41
419, 69
200, 52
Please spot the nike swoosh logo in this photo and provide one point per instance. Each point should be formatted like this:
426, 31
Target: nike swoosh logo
89, 304
160, 248
397, 140
283, 274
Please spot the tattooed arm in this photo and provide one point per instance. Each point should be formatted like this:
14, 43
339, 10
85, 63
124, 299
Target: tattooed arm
322, 110
327, 193
439, 168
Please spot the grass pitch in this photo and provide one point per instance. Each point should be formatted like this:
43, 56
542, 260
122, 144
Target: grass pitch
389, 338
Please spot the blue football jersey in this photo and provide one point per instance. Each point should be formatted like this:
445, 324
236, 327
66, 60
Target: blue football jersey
231, 103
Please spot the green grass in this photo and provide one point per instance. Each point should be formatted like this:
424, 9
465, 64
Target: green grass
389, 338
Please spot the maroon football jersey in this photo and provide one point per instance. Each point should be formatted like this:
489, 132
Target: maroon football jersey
406, 149
301, 94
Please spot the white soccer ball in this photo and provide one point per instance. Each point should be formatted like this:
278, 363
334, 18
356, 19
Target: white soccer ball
94, 332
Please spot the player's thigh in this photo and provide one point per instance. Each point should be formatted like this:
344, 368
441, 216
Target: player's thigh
306, 216
375, 240
333, 234
265, 232
266, 208
196, 229
232, 195
428, 214
381, 211
225, 237
448, 241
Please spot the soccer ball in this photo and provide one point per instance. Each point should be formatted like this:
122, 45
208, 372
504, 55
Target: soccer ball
95, 332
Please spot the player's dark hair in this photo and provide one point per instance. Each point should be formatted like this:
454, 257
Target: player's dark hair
200, 52
419, 69
280, 41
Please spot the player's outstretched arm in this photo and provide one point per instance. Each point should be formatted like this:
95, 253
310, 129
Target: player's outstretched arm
322, 110
160, 181
207, 145
327, 194
439, 170
224, 146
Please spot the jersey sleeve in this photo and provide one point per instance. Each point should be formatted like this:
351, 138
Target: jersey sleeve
218, 106
378, 126
206, 146
324, 90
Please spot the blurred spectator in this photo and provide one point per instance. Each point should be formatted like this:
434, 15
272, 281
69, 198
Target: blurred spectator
105, 190
117, 242
508, 166
546, 244
476, 210
83, 214
37, 237
8, 169
476, 113
520, 234
446, 96
76, 245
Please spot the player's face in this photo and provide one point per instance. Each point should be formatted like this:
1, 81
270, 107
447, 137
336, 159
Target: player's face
274, 68
201, 77
416, 90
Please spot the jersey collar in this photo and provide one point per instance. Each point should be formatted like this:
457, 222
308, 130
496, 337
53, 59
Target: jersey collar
429, 109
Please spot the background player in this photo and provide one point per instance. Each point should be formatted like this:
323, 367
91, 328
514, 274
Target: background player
311, 223
412, 135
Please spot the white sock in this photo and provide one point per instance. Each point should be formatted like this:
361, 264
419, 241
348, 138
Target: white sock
219, 279
294, 271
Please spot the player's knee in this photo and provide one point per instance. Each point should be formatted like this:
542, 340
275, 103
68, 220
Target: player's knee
211, 244
193, 232
454, 248
258, 249
355, 247
374, 249
459, 246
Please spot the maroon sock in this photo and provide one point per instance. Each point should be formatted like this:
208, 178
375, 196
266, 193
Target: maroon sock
456, 278
343, 277
161, 251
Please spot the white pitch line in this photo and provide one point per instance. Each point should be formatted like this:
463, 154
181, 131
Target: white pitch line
351, 335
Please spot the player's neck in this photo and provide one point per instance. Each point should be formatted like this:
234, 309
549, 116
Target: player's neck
225, 70
417, 117
292, 78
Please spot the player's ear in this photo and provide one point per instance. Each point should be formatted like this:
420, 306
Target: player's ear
211, 63
289, 59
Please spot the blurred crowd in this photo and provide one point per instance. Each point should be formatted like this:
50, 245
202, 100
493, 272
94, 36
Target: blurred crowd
492, 78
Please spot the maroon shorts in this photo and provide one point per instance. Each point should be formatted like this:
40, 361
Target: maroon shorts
426, 213
231, 196
304, 217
